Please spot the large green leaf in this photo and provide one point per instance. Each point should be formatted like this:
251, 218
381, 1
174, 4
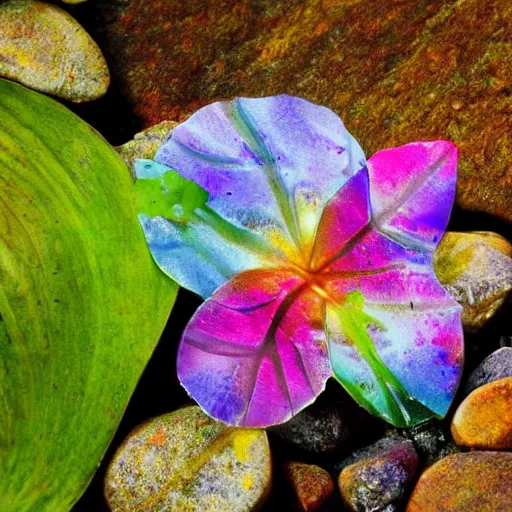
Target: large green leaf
82, 304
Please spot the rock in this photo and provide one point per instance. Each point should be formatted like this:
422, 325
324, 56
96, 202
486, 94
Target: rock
484, 419
145, 144
465, 482
331, 423
431, 442
312, 486
395, 71
43, 47
378, 476
187, 461
476, 269
496, 366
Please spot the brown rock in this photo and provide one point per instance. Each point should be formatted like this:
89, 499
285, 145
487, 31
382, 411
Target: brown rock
484, 419
476, 269
186, 461
312, 486
465, 482
43, 47
378, 476
395, 71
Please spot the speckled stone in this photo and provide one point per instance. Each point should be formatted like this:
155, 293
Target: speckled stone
484, 419
43, 47
476, 269
396, 71
331, 423
496, 366
312, 486
432, 442
186, 461
378, 476
465, 482
146, 143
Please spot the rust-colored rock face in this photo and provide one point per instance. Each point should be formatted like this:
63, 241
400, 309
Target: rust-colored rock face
395, 71
484, 419
311, 485
465, 482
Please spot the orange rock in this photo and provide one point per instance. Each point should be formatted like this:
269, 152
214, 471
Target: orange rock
396, 71
465, 482
312, 485
484, 419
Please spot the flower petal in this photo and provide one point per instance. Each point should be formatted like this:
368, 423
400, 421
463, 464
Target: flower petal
403, 359
269, 165
255, 354
412, 191
189, 242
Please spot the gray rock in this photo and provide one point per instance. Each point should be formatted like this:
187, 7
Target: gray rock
496, 366
432, 442
376, 478
329, 424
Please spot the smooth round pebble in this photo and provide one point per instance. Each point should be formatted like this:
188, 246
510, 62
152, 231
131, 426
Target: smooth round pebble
484, 419
43, 47
465, 482
312, 485
377, 477
187, 462
476, 270
494, 367
145, 144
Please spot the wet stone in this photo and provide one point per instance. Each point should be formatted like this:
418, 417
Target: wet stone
476, 269
496, 366
465, 482
484, 419
187, 461
312, 486
432, 442
43, 47
145, 144
376, 478
331, 423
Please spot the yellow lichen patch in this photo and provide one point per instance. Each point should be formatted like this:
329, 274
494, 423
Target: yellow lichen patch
248, 482
243, 441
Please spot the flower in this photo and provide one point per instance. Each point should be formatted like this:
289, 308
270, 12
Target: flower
313, 262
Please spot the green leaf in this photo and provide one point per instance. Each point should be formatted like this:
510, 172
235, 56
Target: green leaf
82, 304
170, 195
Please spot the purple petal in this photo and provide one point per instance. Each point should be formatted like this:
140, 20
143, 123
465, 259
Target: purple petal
254, 354
269, 164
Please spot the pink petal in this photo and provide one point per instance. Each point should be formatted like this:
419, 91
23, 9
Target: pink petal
255, 354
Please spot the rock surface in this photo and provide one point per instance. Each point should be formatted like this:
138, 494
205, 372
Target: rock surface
146, 143
476, 269
43, 47
465, 482
378, 476
187, 461
484, 419
395, 71
496, 366
432, 442
331, 423
312, 486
